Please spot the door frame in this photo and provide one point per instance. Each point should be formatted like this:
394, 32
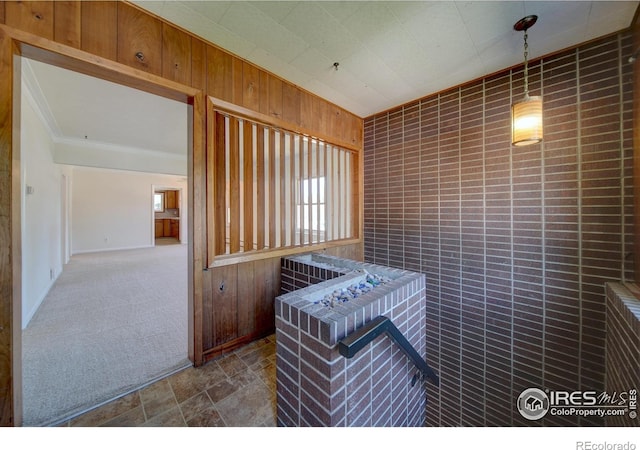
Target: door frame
13, 44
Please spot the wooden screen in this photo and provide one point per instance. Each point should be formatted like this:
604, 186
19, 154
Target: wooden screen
273, 188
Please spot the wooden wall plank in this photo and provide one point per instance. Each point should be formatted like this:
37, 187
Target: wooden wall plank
6, 224
224, 288
67, 29
273, 220
99, 28
139, 39
198, 64
197, 233
355, 130
322, 117
251, 86
2, 14
275, 97
267, 288
283, 200
219, 200
335, 127
247, 173
246, 299
236, 80
328, 183
309, 180
344, 120
176, 54
303, 176
206, 320
32, 17
356, 211
234, 186
291, 103
260, 181
292, 188
308, 109
263, 107
219, 72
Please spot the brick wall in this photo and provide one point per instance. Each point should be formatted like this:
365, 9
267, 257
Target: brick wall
623, 346
516, 243
297, 273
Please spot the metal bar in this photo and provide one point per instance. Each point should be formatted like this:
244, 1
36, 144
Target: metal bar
356, 341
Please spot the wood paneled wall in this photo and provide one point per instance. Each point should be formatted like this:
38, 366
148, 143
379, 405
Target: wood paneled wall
6, 254
162, 54
122, 32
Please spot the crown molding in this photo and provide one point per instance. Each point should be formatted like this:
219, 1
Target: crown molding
38, 101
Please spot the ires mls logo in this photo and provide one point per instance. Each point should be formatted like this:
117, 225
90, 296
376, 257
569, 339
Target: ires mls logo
534, 403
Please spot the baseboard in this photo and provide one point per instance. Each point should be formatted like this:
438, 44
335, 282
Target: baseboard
26, 319
115, 249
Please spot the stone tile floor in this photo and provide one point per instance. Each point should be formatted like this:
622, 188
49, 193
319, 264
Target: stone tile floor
235, 390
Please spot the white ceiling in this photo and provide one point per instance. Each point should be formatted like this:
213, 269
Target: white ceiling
77, 108
389, 52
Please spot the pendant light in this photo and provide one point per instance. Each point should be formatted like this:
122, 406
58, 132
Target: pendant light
526, 115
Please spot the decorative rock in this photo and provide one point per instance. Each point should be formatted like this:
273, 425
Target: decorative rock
354, 291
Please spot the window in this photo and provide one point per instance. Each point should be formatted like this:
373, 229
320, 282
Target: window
312, 207
272, 188
158, 202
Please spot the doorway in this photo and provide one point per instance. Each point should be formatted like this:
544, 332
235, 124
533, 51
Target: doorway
167, 214
91, 190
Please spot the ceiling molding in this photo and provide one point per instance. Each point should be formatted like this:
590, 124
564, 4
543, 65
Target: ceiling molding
81, 153
34, 95
115, 148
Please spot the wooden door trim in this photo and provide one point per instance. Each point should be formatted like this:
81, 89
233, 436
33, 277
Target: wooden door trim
14, 42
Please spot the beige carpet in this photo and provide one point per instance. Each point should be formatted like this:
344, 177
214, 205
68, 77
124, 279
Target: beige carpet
112, 322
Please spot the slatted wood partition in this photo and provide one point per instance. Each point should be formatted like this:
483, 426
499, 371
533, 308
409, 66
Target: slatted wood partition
274, 188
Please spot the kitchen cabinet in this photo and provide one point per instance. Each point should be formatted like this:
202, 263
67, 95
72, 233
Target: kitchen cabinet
174, 228
159, 228
167, 228
171, 199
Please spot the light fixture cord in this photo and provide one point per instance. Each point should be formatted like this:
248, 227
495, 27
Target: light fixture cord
526, 68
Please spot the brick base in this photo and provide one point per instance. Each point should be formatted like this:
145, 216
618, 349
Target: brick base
319, 387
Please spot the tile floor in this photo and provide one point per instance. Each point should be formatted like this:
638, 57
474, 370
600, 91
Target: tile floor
235, 390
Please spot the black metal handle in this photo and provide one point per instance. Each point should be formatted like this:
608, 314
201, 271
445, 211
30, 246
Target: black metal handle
356, 341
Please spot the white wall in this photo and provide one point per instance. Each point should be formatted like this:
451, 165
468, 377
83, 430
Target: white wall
113, 209
41, 210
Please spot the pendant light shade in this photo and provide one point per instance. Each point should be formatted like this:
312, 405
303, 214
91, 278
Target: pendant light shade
526, 121
526, 115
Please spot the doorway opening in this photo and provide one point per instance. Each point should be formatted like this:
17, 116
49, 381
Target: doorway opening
167, 214
92, 277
